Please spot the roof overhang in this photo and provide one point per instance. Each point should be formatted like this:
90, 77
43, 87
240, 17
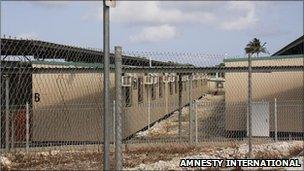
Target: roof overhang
293, 48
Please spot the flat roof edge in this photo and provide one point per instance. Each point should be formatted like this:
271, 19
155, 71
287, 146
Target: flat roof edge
264, 58
68, 63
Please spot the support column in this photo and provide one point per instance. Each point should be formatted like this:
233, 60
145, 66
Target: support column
118, 109
106, 80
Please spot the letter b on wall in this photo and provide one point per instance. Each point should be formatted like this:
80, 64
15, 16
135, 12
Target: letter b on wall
36, 97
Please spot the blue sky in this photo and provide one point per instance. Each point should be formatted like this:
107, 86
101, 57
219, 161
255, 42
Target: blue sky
199, 26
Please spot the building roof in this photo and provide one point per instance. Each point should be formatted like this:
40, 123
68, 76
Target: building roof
264, 58
293, 48
45, 50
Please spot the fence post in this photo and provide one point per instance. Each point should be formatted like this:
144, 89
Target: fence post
1, 109
249, 106
106, 81
180, 104
114, 122
27, 126
7, 113
166, 97
12, 129
196, 124
118, 109
149, 105
275, 121
190, 111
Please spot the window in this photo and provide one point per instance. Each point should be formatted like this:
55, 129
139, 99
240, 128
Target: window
171, 88
134, 83
160, 87
127, 96
182, 87
140, 90
153, 94
176, 85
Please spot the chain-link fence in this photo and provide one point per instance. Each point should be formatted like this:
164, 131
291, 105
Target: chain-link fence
171, 105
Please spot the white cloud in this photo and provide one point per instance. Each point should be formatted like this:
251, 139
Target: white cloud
156, 17
155, 34
151, 12
234, 15
32, 36
242, 16
49, 4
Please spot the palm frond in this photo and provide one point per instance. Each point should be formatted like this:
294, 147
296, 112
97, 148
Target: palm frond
254, 46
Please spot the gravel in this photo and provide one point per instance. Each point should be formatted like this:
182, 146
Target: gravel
149, 158
169, 126
270, 151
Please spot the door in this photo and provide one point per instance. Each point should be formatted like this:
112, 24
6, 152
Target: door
260, 119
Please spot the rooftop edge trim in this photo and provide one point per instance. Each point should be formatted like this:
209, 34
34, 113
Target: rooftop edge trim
264, 58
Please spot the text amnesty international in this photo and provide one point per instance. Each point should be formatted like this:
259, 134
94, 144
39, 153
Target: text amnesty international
240, 163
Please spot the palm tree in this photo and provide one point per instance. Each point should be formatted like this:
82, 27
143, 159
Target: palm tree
255, 46
251, 48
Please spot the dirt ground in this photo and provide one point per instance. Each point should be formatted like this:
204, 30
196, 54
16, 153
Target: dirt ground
210, 119
140, 157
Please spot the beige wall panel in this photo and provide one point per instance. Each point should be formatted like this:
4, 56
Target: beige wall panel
284, 86
70, 106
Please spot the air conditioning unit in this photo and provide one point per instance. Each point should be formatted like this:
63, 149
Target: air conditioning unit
126, 81
196, 77
166, 79
155, 80
172, 78
148, 80
185, 78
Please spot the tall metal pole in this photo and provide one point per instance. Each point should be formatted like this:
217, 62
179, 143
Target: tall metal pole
7, 113
149, 105
150, 61
27, 126
275, 121
196, 124
249, 105
106, 80
149, 98
0, 89
180, 104
118, 109
190, 110
12, 130
114, 120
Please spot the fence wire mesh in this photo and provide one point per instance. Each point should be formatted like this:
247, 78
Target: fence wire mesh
189, 104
